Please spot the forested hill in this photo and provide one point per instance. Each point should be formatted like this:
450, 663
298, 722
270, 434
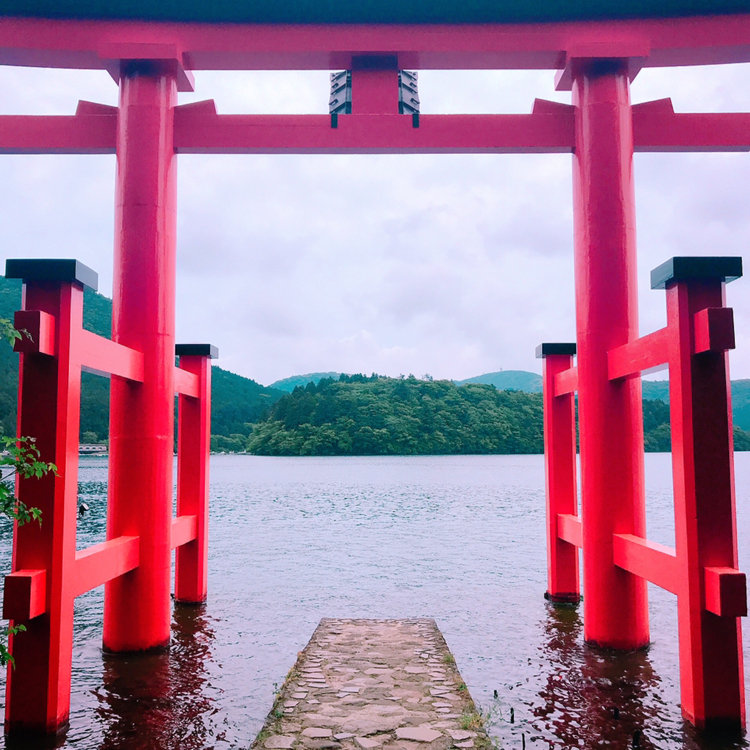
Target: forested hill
376, 415
359, 415
236, 402
289, 384
508, 380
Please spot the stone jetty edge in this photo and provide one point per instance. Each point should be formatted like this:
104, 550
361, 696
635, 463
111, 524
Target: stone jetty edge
363, 684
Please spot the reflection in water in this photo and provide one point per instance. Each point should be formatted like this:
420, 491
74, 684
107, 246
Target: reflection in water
593, 697
22, 741
161, 700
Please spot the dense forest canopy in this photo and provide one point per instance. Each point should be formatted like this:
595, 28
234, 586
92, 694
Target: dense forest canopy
405, 416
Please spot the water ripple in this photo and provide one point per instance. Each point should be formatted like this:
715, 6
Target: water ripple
460, 539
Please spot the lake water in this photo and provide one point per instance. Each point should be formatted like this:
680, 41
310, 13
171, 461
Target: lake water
457, 538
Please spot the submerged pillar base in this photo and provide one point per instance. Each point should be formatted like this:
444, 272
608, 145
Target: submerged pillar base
571, 598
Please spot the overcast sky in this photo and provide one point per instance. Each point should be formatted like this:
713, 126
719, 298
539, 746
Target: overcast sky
448, 265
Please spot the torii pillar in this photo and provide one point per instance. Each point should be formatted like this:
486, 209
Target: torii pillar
610, 412
137, 605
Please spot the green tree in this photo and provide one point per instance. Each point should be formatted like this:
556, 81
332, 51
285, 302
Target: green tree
374, 415
18, 457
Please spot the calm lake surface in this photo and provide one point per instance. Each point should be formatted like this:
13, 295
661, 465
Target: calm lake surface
457, 538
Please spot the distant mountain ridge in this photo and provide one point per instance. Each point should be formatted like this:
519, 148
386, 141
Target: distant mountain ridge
654, 390
505, 380
289, 384
508, 380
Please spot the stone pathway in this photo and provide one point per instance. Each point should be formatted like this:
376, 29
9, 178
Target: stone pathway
382, 684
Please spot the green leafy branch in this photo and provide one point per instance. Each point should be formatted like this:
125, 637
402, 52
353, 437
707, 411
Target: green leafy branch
5, 655
12, 334
8, 331
19, 457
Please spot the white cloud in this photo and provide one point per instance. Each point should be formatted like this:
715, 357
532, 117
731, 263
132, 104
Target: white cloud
452, 265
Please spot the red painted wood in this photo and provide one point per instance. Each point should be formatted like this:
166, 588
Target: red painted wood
193, 448
418, 12
611, 429
191, 567
651, 561
141, 417
58, 134
603, 131
25, 590
103, 562
647, 353
566, 381
198, 131
107, 357
631, 52
165, 54
711, 668
184, 530
25, 595
38, 690
569, 529
186, 383
714, 330
83, 44
41, 593
726, 592
560, 474
38, 329
656, 127
375, 92
701, 569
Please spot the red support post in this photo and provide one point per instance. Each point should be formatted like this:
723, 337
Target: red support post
560, 472
48, 572
375, 85
137, 605
193, 449
610, 418
711, 669
38, 689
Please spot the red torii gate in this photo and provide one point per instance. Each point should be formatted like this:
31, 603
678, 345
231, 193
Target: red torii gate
151, 62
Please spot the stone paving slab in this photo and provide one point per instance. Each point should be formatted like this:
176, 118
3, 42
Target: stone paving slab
374, 684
